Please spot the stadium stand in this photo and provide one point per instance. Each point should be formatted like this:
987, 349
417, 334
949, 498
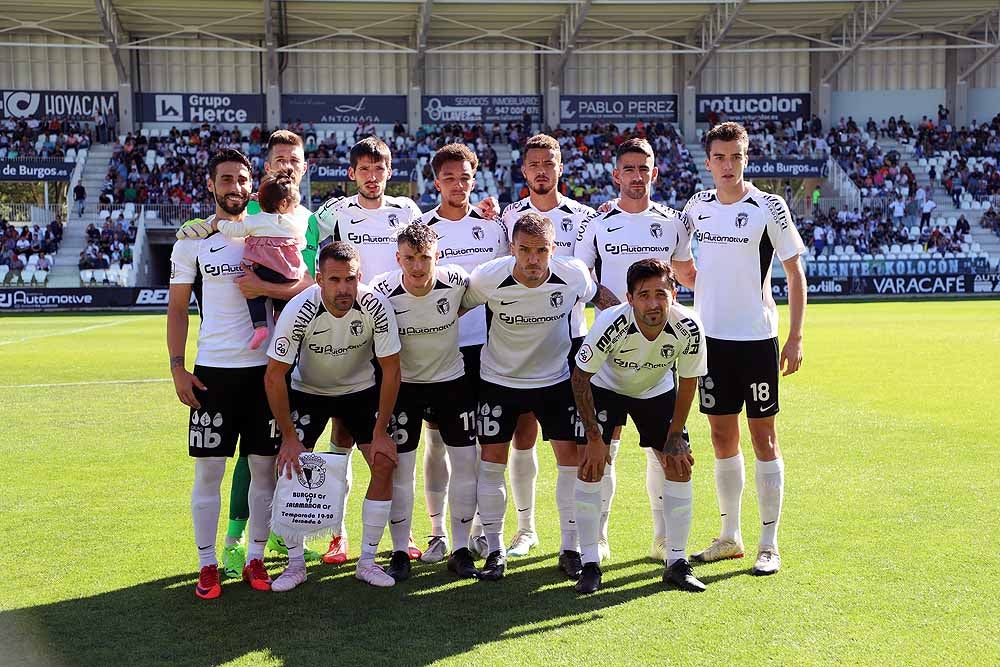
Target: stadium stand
54, 138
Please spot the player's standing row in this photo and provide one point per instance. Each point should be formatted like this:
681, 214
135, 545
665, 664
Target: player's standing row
633, 229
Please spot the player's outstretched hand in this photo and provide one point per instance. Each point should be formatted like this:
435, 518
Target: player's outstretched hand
184, 384
194, 229
288, 456
490, 208
595, 456
607, 206
791, 356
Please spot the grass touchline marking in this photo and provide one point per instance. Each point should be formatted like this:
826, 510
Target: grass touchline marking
82, 384
63, 333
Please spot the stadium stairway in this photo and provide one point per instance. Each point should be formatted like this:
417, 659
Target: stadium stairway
988, 242
698, 154
65, 273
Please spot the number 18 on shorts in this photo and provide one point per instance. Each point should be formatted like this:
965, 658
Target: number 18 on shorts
740, 371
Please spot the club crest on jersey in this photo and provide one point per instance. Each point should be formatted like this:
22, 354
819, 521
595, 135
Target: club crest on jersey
313, 472
478, 233
656, 230
667, 351
556, 299
741, 220
393, 219
567, 224
356, 327
443, 306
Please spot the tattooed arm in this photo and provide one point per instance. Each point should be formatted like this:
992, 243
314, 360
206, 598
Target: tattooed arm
604, 298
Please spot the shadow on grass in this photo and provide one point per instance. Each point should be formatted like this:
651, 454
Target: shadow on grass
429, 617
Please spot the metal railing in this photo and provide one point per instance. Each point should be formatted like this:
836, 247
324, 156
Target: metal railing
31, 214
172, 215
843, 184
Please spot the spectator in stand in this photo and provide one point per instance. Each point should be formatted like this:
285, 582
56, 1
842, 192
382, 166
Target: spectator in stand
79, 199
15, 266
42, 268
926, 209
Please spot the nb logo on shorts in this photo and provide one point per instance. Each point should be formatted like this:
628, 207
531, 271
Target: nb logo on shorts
200, 434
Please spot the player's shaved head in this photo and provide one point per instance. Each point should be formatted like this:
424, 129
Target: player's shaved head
645, 269
339, 251
372, 148
634, 145
418, 235
534, 224
728, 131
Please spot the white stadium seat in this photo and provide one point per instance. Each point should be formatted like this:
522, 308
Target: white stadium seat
895, 248
41, 277
86, 275
112, 274
100, 275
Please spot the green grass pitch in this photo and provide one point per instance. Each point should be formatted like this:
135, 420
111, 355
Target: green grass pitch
889, 536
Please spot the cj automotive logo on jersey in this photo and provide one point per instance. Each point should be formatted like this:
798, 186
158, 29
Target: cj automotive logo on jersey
722, 239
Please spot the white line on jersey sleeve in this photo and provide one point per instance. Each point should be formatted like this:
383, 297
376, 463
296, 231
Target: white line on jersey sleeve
184, 262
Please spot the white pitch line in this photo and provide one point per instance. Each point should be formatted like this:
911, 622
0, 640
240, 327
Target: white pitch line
82, 384
62, 333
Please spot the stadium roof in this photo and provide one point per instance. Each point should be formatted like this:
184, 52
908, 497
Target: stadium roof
554, 27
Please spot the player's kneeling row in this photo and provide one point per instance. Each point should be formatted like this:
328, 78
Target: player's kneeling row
624, 368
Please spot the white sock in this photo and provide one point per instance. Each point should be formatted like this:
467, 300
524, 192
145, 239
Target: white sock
262, 483
436, 476
491, 492
374, 516
462, 492
677, 501
654, 490
347, 476
296, 552
730, 477
566, 504
206, 505
523, 473
403, 490
608, 484
770, 479
588, 516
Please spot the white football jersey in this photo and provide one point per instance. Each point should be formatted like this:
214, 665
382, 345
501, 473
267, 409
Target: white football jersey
566, 217
211, 265
468, 242
332, 356
612, 241
529, 334
372, 231
428, 325
736, 244
624, 361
